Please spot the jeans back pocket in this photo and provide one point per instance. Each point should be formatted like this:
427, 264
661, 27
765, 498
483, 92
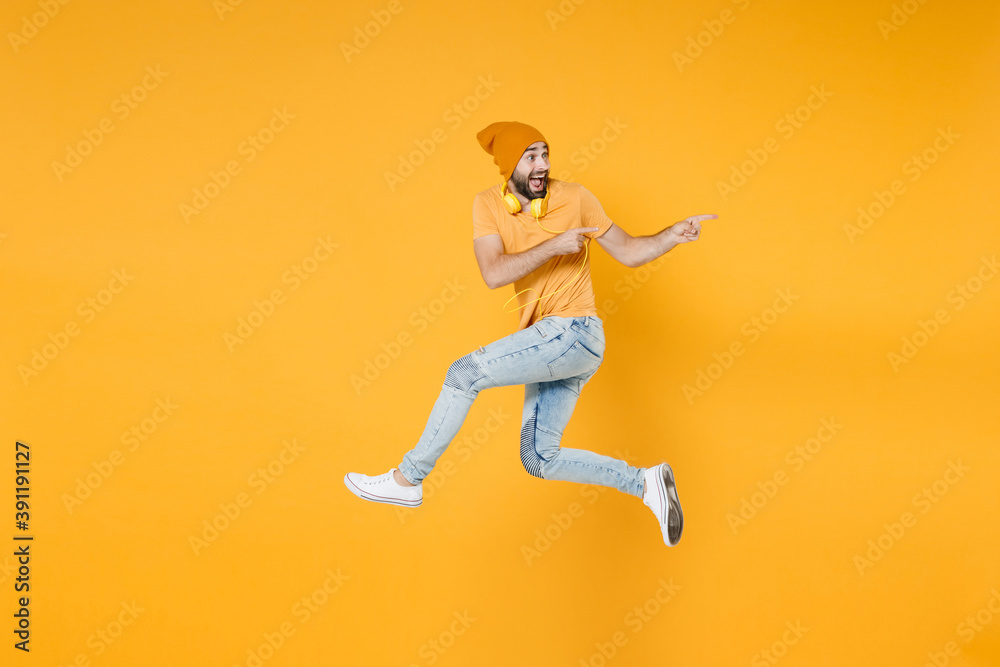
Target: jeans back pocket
576, 360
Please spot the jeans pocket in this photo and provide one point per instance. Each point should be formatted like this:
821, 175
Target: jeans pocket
589, 339
576, 360
548, 329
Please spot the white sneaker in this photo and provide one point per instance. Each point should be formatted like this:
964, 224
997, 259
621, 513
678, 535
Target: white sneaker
661, 497
384, 489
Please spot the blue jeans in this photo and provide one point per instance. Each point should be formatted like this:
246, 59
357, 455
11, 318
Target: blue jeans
553, 359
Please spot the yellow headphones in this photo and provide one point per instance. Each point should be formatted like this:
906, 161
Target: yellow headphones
539, 207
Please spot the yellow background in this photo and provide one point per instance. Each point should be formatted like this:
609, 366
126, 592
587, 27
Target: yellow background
407, 576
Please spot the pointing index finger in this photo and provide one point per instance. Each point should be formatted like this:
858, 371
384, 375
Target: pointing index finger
699, 218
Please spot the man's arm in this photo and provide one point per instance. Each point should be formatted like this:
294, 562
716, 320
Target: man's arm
635, 251
499, 269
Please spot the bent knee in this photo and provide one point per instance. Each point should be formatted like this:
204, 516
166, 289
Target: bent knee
537, 449
464, 374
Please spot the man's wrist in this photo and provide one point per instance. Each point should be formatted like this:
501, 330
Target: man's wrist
667, 240
545, 248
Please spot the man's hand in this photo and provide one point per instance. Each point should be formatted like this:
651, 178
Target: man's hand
499, 268
688, 229
569, 242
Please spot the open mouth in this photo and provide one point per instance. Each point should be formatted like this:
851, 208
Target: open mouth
537, 183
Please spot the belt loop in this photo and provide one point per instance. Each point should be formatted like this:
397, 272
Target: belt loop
586, 321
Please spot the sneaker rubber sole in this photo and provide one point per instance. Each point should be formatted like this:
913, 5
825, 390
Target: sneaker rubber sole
675, 519
361, 493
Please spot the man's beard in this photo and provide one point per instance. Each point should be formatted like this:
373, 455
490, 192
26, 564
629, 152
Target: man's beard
520, 183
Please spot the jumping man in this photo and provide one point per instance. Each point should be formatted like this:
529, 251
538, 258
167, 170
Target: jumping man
534, 231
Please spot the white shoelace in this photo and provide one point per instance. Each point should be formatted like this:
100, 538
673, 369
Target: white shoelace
380, 478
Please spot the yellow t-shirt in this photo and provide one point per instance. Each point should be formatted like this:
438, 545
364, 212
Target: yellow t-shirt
570, 205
